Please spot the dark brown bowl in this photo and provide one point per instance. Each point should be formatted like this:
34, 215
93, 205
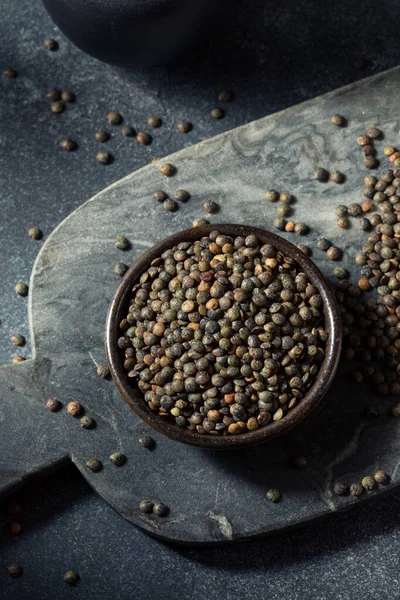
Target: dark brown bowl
119, 307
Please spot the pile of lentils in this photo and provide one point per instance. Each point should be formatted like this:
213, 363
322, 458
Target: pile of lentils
223, 335
371, 325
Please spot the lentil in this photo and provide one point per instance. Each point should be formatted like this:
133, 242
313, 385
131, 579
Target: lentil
144, 138
35, 233
128, 131
122, 243
105, 158
14, 570
217, 113
225, 96
102, 136
120, 269
146, 506
114, 118
87, 423
184, 126
71, 577
67, 96
170, 205
50, 44
337, 177
57, 106
321, 174
210, 206
103, 371
117, 459
338, 120
167, 170
341, 489
68, 144
382, 478
154, 121
53, 404
273, 495
10, 73
74, 408
17, 339
94, 465
146, 441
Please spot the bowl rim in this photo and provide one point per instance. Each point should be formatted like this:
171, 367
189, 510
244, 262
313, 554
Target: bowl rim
263, 434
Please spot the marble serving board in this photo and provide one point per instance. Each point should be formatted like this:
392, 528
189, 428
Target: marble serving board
214, 496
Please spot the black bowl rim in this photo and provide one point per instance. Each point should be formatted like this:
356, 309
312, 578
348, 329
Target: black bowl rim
263, 434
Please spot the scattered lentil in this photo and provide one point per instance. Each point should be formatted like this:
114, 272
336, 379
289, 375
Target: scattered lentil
273, 495
120, 269
160, 196
217, 113
50, 44
368, 483
17, 358
17, 339
128, 131
154, 121
225, 96
10, 73
343, 222
356, 490
102, 136
74, 408
122, 243
146, 441
87, 422
103, 371
14, 570
94, 465
35, 233
114, 118
53, 405
144, 138
117, 458
382, 478
170, 205
68, 144
184, 126
57, 106
167, 170
334, 253
146, 506
370, 162
272, 196
15, 528
210, 206
340, 489
105, 158
53, 94
160, 509
338, 120
321, 174
71, 577
199, 222
374, 133
181, 195
337, 177
67, 96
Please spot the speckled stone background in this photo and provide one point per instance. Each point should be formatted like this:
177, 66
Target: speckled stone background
278, 55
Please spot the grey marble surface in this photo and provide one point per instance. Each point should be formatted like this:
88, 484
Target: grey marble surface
45, 191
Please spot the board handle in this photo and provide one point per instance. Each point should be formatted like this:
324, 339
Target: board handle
31, 442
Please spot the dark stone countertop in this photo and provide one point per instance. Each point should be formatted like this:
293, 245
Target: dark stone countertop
272, 57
